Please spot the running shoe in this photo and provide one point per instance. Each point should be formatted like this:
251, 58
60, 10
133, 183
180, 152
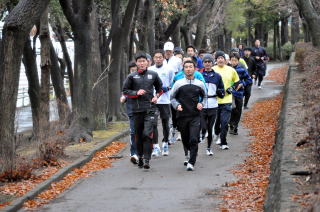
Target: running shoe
218, 142
165, 149
185, 162
172, 137
140, 163
209, 152
156, 151
134, 159
146, 164
179, 137
224, 147
190, 167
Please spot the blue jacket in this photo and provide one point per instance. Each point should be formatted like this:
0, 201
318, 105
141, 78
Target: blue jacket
215, 88
199, 63
245, 79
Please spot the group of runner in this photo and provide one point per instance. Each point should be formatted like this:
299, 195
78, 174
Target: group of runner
199, 94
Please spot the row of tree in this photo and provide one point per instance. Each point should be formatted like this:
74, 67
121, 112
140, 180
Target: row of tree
106, 34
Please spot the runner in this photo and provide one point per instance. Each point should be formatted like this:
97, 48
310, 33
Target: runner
251, 71
133, 148
230, 78
140, 86
237, 94
260, 55
215, 88
170, 59
191, 52
185, 97
163, 104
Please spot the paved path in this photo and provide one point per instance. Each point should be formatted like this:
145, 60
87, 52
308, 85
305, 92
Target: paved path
167, 186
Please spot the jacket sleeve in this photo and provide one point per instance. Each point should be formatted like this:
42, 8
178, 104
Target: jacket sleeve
128, 88
220, 88
173, 97
246, 78
203, 93
158, 85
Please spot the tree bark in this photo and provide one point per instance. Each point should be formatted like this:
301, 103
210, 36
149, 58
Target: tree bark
275, 36
221, 45
119, 40
295, 28
309, 13
228, 43
30, 64
58, 85
17, 27
45, 77
284, 31
150, 25
88, 90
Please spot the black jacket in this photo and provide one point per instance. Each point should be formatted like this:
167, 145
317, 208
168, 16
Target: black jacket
146, 80
251, 63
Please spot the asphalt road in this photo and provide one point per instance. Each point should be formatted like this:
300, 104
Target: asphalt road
167, 186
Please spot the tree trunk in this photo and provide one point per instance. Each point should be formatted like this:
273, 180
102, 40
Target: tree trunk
60, 34
30, 64
119, 40
221, 45
17, 27
228, 42
58, 85
88, 108
312, 18
284, 31
295, 27
275, 36
45, 77
150, 25
201, 30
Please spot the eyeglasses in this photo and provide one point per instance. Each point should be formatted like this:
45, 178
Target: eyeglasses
207, 61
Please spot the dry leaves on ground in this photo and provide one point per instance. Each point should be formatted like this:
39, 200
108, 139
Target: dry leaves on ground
101, 160
248, 192
278, 75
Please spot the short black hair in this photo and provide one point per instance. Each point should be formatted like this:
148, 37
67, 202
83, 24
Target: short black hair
159, 51
235, 55
202, 51
190, 46
141, 55
189, 61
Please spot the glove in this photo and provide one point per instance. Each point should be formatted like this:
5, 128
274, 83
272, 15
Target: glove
220, 93
229, 90
165, 89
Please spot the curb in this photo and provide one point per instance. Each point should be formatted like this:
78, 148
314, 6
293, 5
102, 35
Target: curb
280, 183
17, 204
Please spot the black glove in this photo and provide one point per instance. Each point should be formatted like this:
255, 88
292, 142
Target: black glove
229, 90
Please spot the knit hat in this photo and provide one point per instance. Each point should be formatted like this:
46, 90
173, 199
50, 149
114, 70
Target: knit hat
220, 54
247, 49
208, 57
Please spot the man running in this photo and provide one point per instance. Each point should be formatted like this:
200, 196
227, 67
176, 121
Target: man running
215, 88
191, 52
186, 97
237, 94
230, 78
252, 73
140, 86
260, 55
166, 75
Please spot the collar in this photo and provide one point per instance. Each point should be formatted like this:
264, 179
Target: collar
140, 71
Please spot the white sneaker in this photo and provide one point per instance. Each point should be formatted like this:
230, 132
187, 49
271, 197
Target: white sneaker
165, 149
172, 135
179, 137
209, 152
202, 140
156, 151
224, 147
190, 167
134, 159
218, 142
260, 87
206, 135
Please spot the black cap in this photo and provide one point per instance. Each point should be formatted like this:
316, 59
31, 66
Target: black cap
220, 54
132, 64
141, 55
247, 49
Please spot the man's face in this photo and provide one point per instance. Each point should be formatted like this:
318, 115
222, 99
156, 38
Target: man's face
247, 53
142, 63
179, 56
221, 61
168, 54
201, 55
190, 52
234, 61
189, 69
257, 43
133, 69
158, 59
240, 46
149, 63
207, 64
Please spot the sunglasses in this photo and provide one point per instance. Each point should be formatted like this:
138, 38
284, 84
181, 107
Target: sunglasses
207, 61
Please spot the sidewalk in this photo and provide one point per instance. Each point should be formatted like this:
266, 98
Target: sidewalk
167, 186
